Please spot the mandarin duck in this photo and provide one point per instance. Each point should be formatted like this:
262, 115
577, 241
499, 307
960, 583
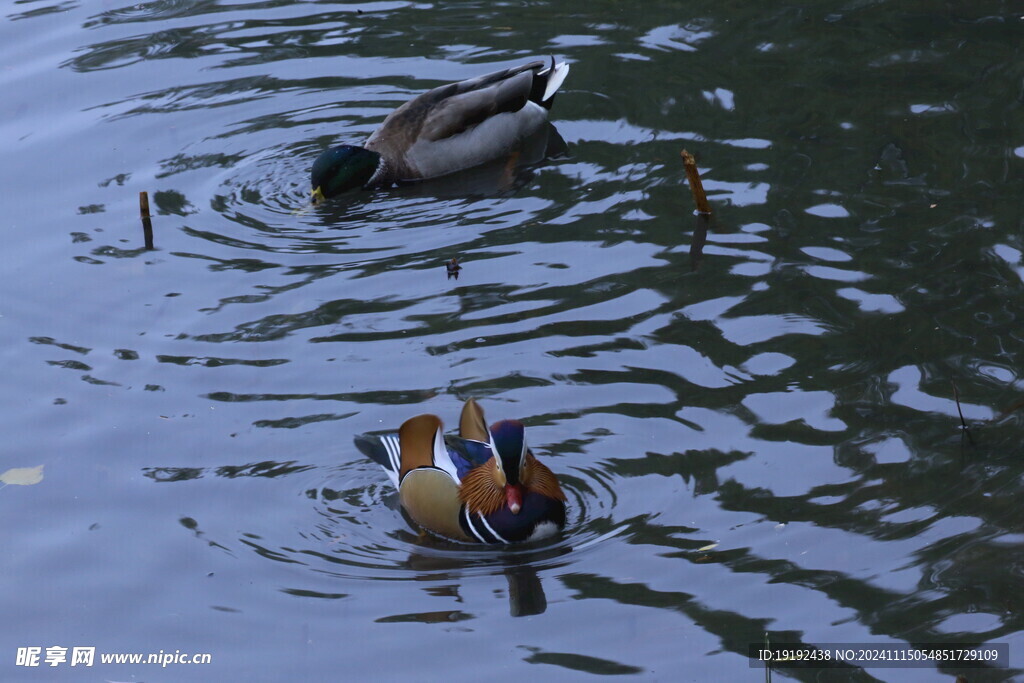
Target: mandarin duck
483, 486
444, 130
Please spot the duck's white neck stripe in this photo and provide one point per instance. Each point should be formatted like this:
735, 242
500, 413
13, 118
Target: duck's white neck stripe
381, 172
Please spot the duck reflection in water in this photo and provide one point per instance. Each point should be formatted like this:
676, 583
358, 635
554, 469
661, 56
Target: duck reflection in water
526, 595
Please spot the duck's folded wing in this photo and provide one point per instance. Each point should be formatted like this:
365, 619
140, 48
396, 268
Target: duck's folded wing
444, 110
472, 102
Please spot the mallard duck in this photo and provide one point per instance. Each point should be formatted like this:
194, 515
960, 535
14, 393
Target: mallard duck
484, 486
444, 130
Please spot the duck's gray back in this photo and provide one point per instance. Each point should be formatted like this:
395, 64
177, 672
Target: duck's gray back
423, 137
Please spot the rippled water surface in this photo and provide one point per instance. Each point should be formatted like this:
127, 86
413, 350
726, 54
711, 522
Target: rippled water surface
756, 425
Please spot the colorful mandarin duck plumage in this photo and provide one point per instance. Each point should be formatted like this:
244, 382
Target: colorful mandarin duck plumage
444, 130
484, 486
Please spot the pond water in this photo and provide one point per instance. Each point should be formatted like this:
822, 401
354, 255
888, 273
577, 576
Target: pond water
756, 425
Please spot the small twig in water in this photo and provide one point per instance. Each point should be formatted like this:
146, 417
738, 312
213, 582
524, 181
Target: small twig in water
700, 198
453, 268
147, 224
956, 397
696, 187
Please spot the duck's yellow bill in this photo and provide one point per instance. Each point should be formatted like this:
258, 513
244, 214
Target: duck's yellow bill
318, 195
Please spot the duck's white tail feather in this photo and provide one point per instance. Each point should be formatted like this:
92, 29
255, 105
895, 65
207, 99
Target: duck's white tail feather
556, 76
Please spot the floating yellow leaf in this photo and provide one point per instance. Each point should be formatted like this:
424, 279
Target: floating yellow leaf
22, 476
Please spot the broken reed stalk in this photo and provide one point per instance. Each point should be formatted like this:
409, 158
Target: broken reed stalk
700, 230
147, 223
693, 175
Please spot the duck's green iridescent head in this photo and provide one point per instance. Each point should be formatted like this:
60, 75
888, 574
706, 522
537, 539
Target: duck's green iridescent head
342, 168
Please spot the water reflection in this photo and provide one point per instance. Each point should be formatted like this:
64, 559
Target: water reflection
353, 536
755, 421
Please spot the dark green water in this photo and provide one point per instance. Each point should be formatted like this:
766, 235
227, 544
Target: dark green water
757, 436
